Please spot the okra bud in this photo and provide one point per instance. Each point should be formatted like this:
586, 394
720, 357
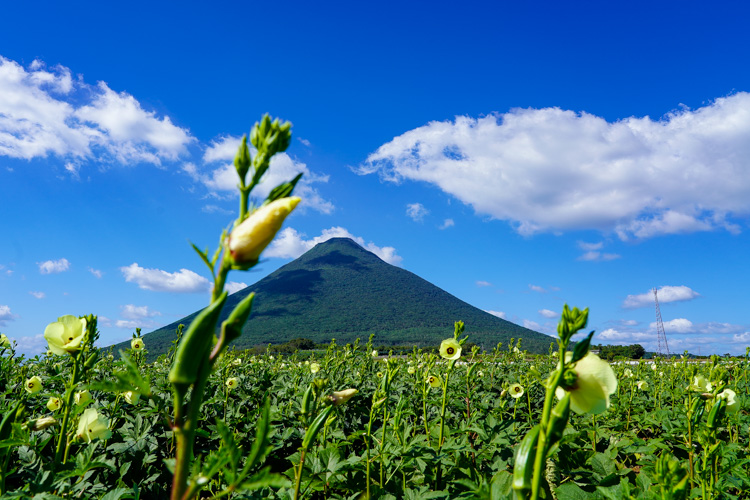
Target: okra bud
195, 344
523, 470
232, 326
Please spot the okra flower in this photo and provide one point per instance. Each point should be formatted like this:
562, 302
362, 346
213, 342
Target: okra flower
515, 390
450, 349
434, 381
65, 335
314, 368
232, 382
54, 404
92, 426
642, 385
33, 385
628, 373
131, 397
4, 342
595, 381
411, 370
82, 397
341, 397
43, 423
732, 404
137, 344
700, 384
254, 234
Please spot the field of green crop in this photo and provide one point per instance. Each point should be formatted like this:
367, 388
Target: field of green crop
397, 437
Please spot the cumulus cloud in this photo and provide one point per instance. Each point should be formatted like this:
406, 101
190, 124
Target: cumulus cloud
223, 179
592, 252
130, 311
483, 283
97, 273
499, 314
289, 244
678, 325
447, 223
537, 289
182, 281
666, 294
53, 266
44, 111
416, 211
554, 170
235, 286
532, 325
6, 315
38, 295
548, 313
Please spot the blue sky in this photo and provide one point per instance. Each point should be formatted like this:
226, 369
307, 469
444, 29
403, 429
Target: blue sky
518, 155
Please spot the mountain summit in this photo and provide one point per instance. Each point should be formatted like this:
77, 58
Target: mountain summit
340, 290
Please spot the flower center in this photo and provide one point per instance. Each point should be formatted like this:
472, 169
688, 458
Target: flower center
450, 350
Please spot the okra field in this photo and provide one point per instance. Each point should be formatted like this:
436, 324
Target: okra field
644, 445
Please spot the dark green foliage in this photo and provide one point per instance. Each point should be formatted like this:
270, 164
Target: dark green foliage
339, 290
610, 352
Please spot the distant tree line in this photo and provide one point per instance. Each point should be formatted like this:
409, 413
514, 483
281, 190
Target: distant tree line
610, 352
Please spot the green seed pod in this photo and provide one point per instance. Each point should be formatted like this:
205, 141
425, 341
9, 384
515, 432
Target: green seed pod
195, 344
307, 401
318, 423
523, 470
559, 419
696, 411
232, 326
716, 415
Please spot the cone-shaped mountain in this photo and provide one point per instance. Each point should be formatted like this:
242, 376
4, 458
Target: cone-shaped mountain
340, 290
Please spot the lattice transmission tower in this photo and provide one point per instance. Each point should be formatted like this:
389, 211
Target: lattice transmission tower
660, 334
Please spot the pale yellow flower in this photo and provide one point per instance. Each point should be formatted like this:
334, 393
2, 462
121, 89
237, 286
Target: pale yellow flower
642, 385
82, 397
232, 382
628, 373
43, 423
450, 349
137, 344
314, 368
54, 404
733, 404
515, 390
595, 381
434, 381
131, 397
248, 240
374, 353
65, 335
700, 384
92, 426
4, 342
33, 385
411, 370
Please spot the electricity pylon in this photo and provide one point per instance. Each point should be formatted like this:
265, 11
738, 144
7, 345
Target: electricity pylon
660, 334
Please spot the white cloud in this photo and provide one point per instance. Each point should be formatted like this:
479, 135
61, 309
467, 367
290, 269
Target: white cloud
548, 313
666, 294
678, 325
38, 295
282, 169
537, 288
416, 211
289, 244
598, 256
53, 266
182, 281
553, 170
304, 141
6, 315
31, 345
484, 283
499, 314
40, 115
447, 223
130, 311
235, 286
532, 325
97, 273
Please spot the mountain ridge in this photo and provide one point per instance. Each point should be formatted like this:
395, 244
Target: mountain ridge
339, 290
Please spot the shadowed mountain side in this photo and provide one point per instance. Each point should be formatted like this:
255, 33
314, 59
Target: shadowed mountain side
340, 290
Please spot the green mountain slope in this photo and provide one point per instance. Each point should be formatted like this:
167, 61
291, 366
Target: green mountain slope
340, 290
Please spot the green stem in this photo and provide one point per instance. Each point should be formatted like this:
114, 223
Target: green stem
66, 416
298, 479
